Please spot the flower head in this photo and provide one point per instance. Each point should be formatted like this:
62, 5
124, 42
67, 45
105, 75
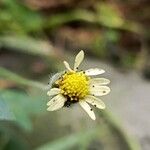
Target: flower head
78, 87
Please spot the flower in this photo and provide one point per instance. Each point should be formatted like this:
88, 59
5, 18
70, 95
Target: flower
78, 86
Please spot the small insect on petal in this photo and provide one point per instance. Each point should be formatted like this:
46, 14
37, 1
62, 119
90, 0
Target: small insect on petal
53, 91
99, 81
95, 102
99, 90
79, 58
56, 103
67, 66
94, 71
88, 109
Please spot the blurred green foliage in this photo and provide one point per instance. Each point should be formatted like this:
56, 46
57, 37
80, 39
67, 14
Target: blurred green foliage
107, 19
108, 16
21, 106
101, 27
5, 114
20, 18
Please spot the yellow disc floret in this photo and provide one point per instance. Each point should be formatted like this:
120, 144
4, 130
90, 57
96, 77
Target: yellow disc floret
74, 85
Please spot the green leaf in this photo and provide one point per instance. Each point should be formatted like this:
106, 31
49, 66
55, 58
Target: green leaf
109, 16
75, 15
27, 45
5, 113
23, 106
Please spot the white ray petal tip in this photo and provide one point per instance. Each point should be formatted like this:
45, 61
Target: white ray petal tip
108, 81
79, 58
93, 118
108, 91
48, 109
67, 65
47, 103
81, 52
48, 93
99, 81
65, 62
88, 109
94, 71
103, 107
102, 71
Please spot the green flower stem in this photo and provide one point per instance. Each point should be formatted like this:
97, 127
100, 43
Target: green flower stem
6, 74
113, 123
68, 142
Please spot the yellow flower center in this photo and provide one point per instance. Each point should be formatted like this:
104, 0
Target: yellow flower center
74, 85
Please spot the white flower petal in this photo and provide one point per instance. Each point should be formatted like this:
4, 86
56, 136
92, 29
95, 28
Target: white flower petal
87, 108
94, 71
95, 101
67, 66
99, 90
79, 58
56, 103
53, 91
99, 81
